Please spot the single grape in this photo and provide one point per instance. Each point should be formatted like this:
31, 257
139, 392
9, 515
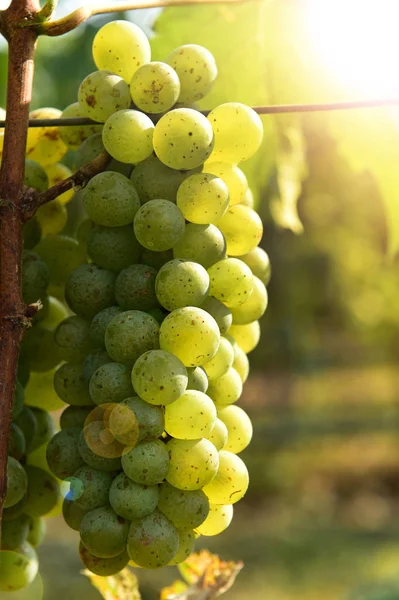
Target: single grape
17, 482
62, 453
94, 361
89, 149
241, 363
131, 500
185, 509
71, 386
43, 492
193, 463
75, 416
72, 513
218, 435
183, 139
218, 519
14, 533
135, 288
35, 176
121, 47
45, 428
110, 199
35, 277
90, 289
231, 281
259, 263
196, 69
239, 428
9, 514
221, 362
238, 132
203, 198
113, 248
219, 312
203, 244
254, 307
231, 481
197, 379
74, 135
104, 567
98, 447
89, 488
45, 145
111, 383
225, 389
186, 546
248, 199
181, 283
103, 532
147, 463
191, 334
16, 443
121, 421
72, 338
232, 176
242, 228
62, 255
150, 418
155, 87
191, 416
100, 323
37, 531
130, 334
246, 336
101, 94
152, 541
159, 377
18, 568
127, 136
158, 225
57, 173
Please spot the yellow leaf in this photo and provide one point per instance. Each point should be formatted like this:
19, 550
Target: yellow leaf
123, 586
169, 593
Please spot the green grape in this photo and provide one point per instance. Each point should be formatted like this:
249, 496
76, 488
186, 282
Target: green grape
9, 514
232, 176
110, 199
71, 386
259, 263
62, 255
45, 428
186, 546
241, 363
18, 568
155, 87
121, 421
101, 94
135, 288
35, 277
89, 488
121, 47
253, 308
90, 289
74, 135
221, 362
158, 225
203, 244
238, 132
131, 500
14, 533
39, 348
152, 180
40, 392
191, 334
147, 463
18, 403
16, 443
89, 150
99, 449
219, 312
62, 453
231, 481
242, 228
52, 217
197, 379
191, 416
218, 519
185, 509
246, 336
45, 145
57, 312
193, 463
72, 339
113, 248
100, 323
104, 567
16, 482
231, 281
127, 136
248, 199
35, 176
57, 173
196, 69
181, 283
75, 416
183, 139
150, 418
239, 428
72, 513
130, 334
161, 541
43, 492
203, 198
225, 389
23, 372
103, 532
32, 232
159, 377
111, 383
37, 531
27, 424
94, 361
218, 435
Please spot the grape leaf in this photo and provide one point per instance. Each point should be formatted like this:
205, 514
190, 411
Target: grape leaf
123, 586
173, 591
208, 575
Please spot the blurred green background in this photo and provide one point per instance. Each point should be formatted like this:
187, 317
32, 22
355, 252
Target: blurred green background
321, 517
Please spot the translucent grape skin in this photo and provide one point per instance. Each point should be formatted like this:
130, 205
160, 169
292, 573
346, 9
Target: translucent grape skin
185, 509
103, 532
59, 172
183, 139
242, 228
127, 136
226, 389
101, 94
35, 176
159, 377
121, 47
241, 363
221, 362
231, 481
191, 416
219, 312
239, 428
203, 198
104, 567
218, 519
90, 289
259, 263
193, 463
135, 288
110, 199
197, 379
231, 281
218, 435
181, 283
191, 334
196, 69
253, 308
158, 225
18, 568
74, 135
155, 87
130, 334
203, 244
110, 383
232, 176
45, 145
162, 541
147, 463
131, 500
246, 336
186, 546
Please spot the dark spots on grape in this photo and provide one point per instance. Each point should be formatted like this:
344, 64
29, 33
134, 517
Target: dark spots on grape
91, 101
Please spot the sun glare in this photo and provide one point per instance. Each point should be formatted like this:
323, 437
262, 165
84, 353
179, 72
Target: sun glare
358, 41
